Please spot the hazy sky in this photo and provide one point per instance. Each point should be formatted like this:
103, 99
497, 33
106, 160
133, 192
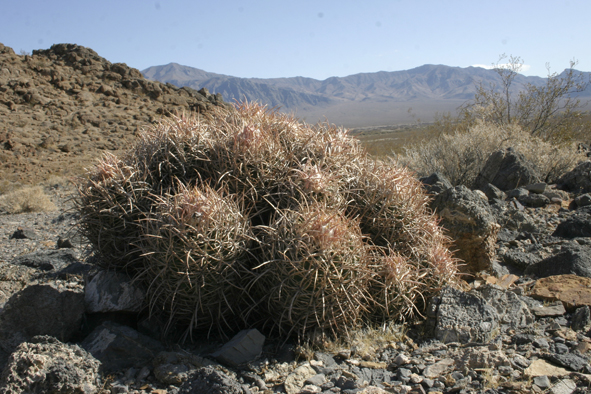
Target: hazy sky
317, 39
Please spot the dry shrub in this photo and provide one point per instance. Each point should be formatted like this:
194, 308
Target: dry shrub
461, 156
304, 229
25, 200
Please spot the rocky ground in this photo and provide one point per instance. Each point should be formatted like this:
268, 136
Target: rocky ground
520, 324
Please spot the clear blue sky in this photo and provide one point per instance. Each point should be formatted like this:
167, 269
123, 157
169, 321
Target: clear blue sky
316, 39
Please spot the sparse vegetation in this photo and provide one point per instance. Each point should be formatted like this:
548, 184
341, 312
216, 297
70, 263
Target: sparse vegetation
25, 200
550, 112
247, 217
460, 156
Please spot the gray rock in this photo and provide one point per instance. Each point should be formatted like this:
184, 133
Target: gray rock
14, 278
493, 193
542, 382
439, 368
316, 380
581, 319
506, 169
120, 347
577, 226
471, 225
571, 361
46, 365
534, 200
208, 380
537, 188
551, 310
54, 308
564, 386
436, 183
515, 219
518, 193
519, 258
583, 200
578, 180
571, 259
244, 347
110, 291
510, 309
47, 260
464, 317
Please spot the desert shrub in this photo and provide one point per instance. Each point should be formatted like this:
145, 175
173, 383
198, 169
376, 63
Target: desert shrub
26, 199
460, 156
248, 217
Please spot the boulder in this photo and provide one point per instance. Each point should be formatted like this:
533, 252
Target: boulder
14, 278
573, 291
572, 259
55, 308
506, 169
463, 317
120, 347
578, 180
110, 291
46, 365
511, 310
471, 224
577, 226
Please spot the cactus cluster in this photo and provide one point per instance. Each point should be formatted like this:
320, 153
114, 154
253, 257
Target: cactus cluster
247, 217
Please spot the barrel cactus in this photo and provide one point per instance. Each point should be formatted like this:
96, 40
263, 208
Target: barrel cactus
247, 217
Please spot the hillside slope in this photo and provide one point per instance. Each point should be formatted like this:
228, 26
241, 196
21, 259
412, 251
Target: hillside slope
61, 107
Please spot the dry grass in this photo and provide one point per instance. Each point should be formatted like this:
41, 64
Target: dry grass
462, 155
25, 200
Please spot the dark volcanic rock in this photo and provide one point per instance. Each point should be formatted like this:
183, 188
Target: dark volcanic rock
578, 180
463, 317
46, 365
471, 225
577, 226
506, 169
120, 347
54, 308
569, 360
572, 259
436, 183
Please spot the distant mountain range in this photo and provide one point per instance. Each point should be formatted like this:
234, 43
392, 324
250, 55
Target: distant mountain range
366, 99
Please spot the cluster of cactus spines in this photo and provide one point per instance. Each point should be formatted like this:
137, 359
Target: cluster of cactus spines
294, 221
195, 247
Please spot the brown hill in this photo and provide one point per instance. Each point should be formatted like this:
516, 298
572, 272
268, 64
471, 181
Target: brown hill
61, 107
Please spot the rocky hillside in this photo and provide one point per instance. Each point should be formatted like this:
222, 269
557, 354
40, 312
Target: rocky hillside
61, 107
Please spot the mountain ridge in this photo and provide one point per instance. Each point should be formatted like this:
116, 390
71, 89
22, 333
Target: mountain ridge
422, 89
